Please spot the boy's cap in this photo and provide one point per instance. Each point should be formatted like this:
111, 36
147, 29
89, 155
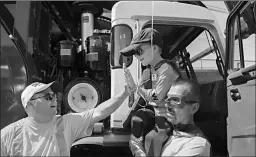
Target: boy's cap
142, 37
36, 87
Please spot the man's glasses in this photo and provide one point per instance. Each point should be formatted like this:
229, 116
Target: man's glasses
176, 102
48, 97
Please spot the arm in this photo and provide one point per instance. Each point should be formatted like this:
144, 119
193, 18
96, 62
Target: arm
166, 76
78, 125
145, 77
108, 107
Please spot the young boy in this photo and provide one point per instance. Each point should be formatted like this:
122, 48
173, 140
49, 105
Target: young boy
147, 48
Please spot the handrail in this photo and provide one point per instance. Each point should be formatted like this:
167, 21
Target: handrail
202, 54
7, 21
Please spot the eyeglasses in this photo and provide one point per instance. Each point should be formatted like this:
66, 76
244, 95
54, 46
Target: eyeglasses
176, 102
48, 97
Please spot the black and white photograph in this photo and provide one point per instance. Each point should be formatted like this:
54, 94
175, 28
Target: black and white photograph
128, 78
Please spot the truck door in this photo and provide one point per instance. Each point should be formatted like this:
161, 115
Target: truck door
241, 68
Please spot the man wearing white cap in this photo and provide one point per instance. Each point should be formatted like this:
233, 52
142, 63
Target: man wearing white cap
43, 133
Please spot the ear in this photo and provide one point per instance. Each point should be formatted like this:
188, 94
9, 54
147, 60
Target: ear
157, 49
30, 105
195, 108
154, 47
30, 108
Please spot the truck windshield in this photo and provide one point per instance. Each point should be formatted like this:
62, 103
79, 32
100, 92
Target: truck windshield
121, 36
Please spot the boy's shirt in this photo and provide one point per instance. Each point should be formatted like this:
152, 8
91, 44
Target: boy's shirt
162, 77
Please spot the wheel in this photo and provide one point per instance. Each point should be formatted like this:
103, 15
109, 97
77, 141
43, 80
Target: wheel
82, 95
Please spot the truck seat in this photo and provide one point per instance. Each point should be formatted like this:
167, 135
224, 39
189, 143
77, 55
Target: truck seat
211, 116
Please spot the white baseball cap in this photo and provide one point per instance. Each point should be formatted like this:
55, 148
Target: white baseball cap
37, 87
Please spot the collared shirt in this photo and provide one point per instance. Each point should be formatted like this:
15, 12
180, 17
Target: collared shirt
162, 77
26, 137
184, 144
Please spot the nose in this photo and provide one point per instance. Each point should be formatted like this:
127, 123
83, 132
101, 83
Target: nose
54, 98
53, 103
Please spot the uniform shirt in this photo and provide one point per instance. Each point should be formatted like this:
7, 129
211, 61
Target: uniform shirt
162, 78
185, 144
28, 138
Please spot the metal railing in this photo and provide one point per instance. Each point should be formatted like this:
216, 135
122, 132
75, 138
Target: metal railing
211, 63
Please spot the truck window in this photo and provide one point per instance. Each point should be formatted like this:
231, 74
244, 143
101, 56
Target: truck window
203, 56
121, 36
244, 47
249, 57
202, 53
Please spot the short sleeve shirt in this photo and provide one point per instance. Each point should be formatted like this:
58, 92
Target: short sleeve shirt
69, 127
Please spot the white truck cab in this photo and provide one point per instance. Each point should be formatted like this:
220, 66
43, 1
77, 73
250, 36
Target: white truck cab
167, 18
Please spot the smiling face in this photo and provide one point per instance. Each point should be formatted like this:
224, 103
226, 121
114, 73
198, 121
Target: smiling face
45, 103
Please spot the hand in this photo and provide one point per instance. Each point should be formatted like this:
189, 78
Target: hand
127, 90
128, 78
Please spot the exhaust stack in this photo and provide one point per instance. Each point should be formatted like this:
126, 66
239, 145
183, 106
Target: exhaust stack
87, 27
88, 11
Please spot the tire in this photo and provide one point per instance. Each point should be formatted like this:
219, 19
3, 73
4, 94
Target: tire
77, 93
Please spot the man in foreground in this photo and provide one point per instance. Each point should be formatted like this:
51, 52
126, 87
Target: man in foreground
182, 103
43, 133
183, 99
